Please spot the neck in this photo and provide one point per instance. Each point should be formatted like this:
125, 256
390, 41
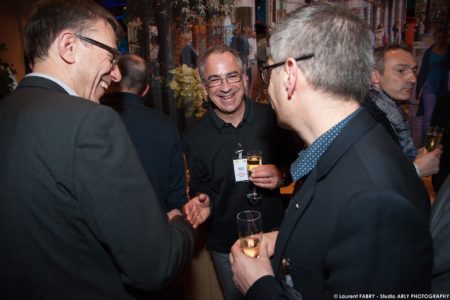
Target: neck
234, 118
324, 112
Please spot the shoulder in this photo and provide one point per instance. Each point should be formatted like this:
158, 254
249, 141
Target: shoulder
199, 126
262, 112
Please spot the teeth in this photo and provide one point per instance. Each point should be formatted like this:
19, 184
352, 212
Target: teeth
103, 85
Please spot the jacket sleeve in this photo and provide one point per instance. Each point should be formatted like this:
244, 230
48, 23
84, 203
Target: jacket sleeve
119, 205
177, 185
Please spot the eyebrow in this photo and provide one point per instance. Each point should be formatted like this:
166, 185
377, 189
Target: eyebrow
226, 75
406, 66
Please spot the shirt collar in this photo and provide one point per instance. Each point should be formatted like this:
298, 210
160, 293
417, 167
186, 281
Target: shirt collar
247, 118
55, 80
307, 159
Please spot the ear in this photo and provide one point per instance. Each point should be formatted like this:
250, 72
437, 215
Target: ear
145, 91
291, 69
66, 46
205, 89
375, 77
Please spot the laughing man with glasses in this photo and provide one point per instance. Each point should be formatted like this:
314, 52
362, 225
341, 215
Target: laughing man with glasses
217, 145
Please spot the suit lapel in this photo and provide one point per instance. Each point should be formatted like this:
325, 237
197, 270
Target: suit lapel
297, 207
356, 128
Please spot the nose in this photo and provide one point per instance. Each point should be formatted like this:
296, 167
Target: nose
412, 77
225, 86
115, 73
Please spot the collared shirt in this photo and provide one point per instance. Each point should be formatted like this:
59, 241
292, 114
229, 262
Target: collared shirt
56, 80
212, 145
308, 158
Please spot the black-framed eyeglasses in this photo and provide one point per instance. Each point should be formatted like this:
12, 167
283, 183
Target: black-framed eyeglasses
215, 80
115, 53
265, 71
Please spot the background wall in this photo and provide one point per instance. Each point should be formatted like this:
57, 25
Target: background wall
13, 15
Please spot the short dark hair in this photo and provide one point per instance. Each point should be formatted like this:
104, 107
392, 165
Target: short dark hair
50, 17
380, 52
133, 69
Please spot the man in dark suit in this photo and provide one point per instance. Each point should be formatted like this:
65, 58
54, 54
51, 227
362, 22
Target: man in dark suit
154, 135
79, 218
440, 231
358, 224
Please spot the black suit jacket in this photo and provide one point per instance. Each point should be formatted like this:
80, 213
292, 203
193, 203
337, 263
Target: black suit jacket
78, 216
440, 231
357, 225
158, 145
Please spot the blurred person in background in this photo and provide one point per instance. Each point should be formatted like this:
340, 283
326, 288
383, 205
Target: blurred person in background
433, 78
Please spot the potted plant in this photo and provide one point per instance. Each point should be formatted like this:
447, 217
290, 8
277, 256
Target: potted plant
187, 85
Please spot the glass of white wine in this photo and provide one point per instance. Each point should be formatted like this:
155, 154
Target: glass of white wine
254, 159
434, 136
250, 231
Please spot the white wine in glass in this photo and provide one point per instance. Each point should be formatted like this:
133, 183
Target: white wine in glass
254, 159
250, 231
433, 139
250, 245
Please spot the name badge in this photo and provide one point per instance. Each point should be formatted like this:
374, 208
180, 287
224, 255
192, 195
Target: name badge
240, 169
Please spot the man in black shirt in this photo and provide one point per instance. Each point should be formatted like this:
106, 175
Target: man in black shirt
233, 125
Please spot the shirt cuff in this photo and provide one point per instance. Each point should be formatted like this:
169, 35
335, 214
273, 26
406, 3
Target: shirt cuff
417, 169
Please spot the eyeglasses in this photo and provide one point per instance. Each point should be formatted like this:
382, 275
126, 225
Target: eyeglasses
265, 71
115, 53
215, 80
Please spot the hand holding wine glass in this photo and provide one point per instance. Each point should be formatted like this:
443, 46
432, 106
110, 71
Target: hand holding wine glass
250, 231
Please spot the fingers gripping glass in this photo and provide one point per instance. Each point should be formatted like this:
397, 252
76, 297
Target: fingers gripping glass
115, 53
265, 71
215, 81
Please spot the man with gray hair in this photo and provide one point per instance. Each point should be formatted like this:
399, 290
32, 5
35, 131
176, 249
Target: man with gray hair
359, 222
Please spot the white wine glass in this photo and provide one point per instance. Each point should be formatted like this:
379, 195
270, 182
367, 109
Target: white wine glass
250, 231
434, 136
254, 159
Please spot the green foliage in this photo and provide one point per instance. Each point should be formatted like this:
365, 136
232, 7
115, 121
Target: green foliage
196, 11
7, 80
187, 85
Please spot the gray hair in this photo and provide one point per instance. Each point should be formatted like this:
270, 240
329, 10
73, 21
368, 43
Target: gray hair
219, 50
339, 41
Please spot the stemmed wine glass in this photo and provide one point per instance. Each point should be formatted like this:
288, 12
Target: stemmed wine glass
254, 159
250, 231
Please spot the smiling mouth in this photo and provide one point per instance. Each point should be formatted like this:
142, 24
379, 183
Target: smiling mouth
103, 84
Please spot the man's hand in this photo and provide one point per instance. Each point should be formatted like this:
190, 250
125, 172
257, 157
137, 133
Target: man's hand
426, 162
270, 238
197, 209
173, 213
266, 176
247, 270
